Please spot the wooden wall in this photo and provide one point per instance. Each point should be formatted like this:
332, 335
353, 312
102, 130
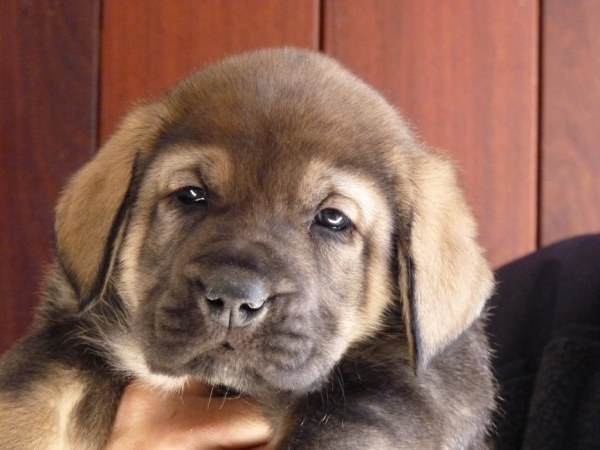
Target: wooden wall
570, 119
148, 46
48, 126
508, 89
465, 73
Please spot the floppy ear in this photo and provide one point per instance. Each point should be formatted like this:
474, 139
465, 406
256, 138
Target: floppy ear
92, 209
445, 278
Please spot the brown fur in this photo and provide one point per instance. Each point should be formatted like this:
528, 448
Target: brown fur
364, 337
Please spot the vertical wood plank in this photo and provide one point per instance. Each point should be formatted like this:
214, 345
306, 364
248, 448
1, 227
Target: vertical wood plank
48, 69
148, 46
570, 133
465, 74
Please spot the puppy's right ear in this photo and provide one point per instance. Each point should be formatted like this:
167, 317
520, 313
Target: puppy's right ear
91, 211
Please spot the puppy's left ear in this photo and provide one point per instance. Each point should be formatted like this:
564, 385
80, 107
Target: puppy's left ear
444, 277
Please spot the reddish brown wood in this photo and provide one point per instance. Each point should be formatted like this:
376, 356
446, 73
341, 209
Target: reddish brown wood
570, 138
148, 46
48, 70
464, 72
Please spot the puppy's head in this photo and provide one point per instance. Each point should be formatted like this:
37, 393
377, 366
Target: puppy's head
259, 220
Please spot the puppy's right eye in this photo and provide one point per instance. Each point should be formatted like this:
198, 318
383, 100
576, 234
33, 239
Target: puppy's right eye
190, 195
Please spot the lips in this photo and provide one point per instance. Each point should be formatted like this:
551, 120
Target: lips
285, 361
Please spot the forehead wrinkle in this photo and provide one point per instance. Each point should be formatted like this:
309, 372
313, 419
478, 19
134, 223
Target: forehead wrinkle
209, 164
322, 180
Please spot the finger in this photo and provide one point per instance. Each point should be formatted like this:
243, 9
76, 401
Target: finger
193, 419
231, 423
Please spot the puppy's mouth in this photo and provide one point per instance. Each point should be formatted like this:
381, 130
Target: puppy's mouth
254, 374
227, 346
247, 364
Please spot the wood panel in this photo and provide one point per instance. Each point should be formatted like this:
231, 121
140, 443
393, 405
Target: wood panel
148, 46
48, 77
465, 73
570, 138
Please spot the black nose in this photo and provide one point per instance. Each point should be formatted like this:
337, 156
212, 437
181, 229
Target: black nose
235, 298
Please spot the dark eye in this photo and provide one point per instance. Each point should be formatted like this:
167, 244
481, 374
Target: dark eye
190, 195
333, 219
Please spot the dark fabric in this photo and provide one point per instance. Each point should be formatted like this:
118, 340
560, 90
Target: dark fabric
545, 332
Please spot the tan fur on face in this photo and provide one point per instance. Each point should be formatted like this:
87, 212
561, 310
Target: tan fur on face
176, 168
360, 198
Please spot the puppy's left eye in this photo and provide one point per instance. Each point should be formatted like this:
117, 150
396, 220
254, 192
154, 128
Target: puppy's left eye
191, 195
333, 219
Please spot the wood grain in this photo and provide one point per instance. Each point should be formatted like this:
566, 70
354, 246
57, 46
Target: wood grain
148, 46
48, 77
465, 74
570, 132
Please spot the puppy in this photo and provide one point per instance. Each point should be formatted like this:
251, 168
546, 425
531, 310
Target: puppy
271, 226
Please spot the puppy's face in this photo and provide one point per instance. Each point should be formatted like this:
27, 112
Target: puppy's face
257, 261
259, 220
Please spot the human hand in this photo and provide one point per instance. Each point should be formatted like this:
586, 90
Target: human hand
148, 419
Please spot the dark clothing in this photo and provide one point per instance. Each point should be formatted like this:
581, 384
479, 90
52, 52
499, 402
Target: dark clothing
545, 331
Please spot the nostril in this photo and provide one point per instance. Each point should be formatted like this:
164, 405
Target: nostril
216, 303
251, 307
